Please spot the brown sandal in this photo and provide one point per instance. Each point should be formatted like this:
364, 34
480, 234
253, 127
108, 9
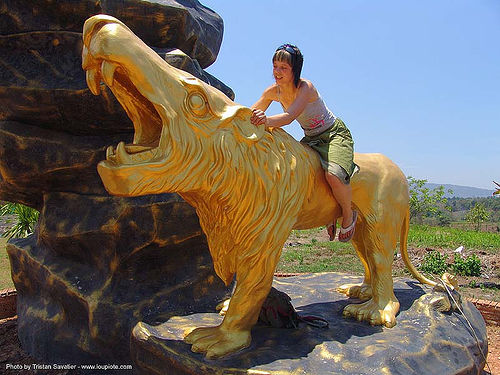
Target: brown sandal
332, 230
346, 234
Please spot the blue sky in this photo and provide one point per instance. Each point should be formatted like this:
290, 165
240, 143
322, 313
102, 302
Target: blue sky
418, 81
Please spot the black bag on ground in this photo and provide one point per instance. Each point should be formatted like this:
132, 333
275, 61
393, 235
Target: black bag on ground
277, 311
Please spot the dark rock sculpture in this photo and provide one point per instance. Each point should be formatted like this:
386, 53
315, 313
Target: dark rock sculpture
97, 264
187, 25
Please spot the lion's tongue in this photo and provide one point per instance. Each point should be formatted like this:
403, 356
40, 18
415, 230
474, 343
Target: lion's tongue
133, 149
130, 154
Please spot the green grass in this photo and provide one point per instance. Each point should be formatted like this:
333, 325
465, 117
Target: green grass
306, 232
451, 238
5, 278
319, 257
314, 255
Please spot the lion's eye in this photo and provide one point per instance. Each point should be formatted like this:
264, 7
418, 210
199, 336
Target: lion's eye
197, 104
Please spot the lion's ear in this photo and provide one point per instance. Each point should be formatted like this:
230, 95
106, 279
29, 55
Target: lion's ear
239, 118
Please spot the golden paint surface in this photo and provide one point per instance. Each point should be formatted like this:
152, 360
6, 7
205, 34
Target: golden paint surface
250, 185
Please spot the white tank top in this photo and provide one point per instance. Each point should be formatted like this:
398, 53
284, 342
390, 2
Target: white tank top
315, 118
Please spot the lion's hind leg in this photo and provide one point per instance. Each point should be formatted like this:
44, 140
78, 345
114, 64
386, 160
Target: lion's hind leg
373, 313
382, 307
361, 291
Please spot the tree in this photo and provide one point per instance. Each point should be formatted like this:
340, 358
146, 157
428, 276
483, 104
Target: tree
477, 215
425, 202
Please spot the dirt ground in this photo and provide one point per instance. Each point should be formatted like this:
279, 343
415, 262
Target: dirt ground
12, 354
493, 350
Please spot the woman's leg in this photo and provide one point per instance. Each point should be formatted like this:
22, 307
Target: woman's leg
343, 195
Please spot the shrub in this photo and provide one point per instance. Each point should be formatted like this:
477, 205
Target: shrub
434, 262
27, 218
443, 219
469, 266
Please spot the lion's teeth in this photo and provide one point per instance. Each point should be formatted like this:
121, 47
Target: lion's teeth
110, 152
93, 81
121, 154
108, 72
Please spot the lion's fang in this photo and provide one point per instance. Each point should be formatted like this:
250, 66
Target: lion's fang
108, 71
93, 81
121, 154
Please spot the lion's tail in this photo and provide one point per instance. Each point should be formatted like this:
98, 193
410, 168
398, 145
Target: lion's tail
403, 245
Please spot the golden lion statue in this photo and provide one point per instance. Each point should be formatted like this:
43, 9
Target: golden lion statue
250, 185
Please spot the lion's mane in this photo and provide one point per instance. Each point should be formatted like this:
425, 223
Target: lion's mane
243, 169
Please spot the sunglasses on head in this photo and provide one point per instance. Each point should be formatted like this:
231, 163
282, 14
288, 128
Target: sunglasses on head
288, 48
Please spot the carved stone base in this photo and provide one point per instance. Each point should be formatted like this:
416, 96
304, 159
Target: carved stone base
98, 265
424, 341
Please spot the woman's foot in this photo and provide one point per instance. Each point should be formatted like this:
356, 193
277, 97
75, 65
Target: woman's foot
346, 234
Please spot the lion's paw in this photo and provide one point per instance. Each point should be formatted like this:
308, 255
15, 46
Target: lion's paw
361, 291
373, 313
217, 342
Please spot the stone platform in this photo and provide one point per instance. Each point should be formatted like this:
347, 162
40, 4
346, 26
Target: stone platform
424, 341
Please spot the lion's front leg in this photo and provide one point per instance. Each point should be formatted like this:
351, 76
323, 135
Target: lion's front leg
254, 280
362, 291
233, 333
218, 341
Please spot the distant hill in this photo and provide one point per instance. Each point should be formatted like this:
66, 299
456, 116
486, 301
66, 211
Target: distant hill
462, 191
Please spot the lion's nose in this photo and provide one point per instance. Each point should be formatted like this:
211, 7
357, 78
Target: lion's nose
89, 62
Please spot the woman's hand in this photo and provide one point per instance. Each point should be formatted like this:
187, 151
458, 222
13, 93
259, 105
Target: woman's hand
258, 117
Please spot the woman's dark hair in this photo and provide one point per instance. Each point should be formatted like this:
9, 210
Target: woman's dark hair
290, 54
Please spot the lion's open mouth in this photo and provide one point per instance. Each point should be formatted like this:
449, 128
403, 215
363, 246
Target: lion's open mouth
147, 122
144, 114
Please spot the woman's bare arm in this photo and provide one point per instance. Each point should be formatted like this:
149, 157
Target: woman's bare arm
306, 92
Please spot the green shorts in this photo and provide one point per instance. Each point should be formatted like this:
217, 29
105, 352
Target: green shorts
336, 150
